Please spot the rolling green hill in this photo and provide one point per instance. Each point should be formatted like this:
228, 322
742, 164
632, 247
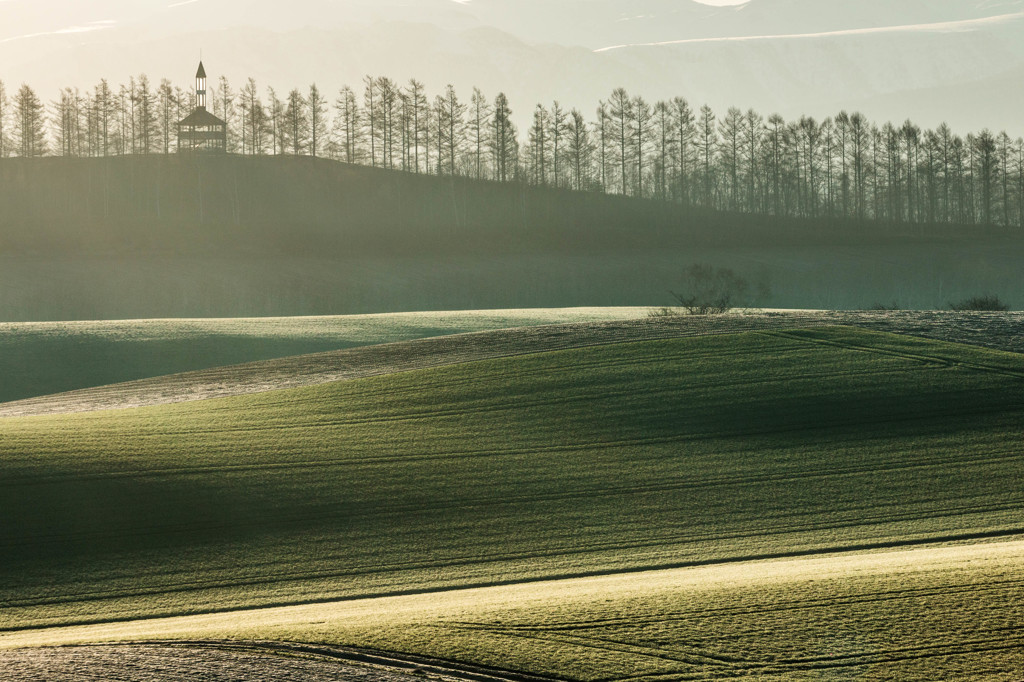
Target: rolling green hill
581, 462
40, 358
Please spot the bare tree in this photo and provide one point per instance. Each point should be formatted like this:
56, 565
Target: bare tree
479, 124
753, 133
641, 134
420, 125
63, 119
386, 110
708, 142
347, 124
254, 116
29, 126
984, 167
776, 134
664, 141
539, 145
504, 145
685, 132
911, 135
317, 108
4, 106
558, 123
166, 108
225, 108
371, 119
811, 136
455, 126
621, 116
297, 122
601, 129
147, 121
278, 134
581, 150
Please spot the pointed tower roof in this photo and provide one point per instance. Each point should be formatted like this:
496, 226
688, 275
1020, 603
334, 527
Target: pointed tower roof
201, 73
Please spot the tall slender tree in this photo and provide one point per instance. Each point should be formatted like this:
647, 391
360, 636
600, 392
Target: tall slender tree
146, 115
602, 131
30, 121
4, 113
276, 116
347, 124
316, 106
557, 122
580, 149
685, 132
296, 119
641, 138
621, 115
504, 144
708, 142
731, 135
479, 124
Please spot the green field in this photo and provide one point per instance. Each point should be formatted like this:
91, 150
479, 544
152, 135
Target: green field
950, 612
719, 461
40, 358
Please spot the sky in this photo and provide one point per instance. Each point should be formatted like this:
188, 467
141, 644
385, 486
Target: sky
931, 60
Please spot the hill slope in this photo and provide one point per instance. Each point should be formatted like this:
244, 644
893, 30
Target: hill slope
107, 350
39, 358
131, 238
605, 459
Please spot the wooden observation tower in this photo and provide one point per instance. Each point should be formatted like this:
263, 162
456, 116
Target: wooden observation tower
201, 131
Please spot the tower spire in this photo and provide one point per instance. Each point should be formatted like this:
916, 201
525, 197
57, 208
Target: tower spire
201, 86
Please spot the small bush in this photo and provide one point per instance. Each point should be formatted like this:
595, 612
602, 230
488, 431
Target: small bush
664, 311
989, 302
710, 291
885, 307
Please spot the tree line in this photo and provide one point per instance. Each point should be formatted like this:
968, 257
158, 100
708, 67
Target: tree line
842, 167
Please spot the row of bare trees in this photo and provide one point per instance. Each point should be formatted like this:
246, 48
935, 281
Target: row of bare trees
842, 167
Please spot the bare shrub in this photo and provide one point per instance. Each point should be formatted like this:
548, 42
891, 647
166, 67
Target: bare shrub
989, 302
710, 291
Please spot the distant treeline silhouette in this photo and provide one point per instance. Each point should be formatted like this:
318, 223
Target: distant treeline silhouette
845, 167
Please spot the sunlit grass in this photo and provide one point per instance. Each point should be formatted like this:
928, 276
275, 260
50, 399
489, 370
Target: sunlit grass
557, 465
924, 614
39, 358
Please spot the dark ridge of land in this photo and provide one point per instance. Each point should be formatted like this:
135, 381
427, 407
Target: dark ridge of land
197, 205
1000, 331
180, 236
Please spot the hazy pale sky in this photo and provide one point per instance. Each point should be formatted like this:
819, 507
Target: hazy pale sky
931, 60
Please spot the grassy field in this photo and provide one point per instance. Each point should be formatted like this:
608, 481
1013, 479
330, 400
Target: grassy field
952, 613
40, 358
999, 331
627, 457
